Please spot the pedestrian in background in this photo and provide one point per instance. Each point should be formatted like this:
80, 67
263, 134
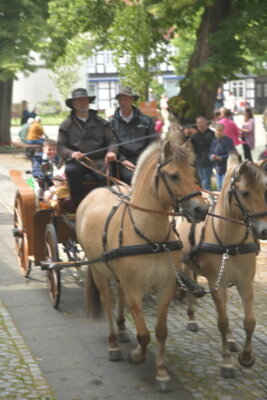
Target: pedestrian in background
230, 128
164, 111
219, 102
23, 132
25, 113
218, 153
201, 140
248, 133
36, 134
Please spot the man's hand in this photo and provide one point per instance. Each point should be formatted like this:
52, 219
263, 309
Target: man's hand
77, 155
110, 156
128, 164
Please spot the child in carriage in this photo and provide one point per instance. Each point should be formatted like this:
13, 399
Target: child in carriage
45, 165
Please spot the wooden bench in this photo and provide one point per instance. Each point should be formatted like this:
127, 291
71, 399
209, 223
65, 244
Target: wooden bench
25, 146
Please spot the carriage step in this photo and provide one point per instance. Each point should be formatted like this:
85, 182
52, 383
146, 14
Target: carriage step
193, 287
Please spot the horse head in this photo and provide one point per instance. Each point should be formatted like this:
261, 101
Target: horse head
246, 188
175, 179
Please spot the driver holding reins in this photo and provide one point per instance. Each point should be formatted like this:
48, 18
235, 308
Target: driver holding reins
80, 133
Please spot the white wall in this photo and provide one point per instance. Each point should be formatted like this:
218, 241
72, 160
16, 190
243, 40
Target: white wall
36, 86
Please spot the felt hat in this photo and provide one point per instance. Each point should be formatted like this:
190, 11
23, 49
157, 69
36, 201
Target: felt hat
126, 91
77, 94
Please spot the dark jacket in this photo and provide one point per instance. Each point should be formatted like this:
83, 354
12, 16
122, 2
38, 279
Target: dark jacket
89, 136
38, 160
140, 126
201, 142
221, 148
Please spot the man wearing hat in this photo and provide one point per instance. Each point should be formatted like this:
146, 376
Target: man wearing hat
129, 124
84, 132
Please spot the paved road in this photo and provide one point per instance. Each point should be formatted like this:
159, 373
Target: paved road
61, 355
48, 354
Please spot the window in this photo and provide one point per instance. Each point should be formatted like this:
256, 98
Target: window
259, 90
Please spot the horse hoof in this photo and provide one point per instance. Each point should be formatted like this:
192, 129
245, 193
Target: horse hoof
123, 337
233, 346
247, 363
192, 326
227, 372
162, 385
115, 355
134, 359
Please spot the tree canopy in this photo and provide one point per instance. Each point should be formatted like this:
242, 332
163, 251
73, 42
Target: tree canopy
216, 40
22, 25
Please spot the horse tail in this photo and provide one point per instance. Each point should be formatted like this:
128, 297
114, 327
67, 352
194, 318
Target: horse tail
94, 309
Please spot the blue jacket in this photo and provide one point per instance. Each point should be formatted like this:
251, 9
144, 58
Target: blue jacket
221, 148
38, 160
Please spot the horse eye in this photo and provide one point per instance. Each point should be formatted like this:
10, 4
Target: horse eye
174, 177
245, 194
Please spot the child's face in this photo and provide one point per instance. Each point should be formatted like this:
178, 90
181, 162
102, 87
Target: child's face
219, 133
50, 151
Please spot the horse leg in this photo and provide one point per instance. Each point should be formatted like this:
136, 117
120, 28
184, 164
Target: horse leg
162, 375
192, 324
134, 301
220, 301
114, 352
247, 357
122, 334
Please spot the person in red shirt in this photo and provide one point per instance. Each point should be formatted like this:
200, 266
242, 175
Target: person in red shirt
230, 128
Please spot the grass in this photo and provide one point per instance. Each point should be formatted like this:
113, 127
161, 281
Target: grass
49, 119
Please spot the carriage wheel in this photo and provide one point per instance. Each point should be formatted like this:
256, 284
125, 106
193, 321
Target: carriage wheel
53, 275
21, 239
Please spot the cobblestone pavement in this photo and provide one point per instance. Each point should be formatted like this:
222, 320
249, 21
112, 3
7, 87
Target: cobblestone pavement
20, 376
193, 357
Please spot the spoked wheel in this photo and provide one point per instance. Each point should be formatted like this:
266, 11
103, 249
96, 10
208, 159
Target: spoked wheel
21, 239
53, 275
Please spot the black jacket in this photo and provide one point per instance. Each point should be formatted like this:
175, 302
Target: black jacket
141, 127
201, 142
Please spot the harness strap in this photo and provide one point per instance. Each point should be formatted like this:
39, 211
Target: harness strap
232, 250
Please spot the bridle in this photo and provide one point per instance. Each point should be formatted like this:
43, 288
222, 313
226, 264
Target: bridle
177, 202
248, 217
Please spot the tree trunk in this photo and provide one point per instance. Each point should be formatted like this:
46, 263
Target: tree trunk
5, 111
199, 87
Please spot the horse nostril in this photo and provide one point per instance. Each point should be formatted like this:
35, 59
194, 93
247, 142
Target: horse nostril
201, 212
264, 234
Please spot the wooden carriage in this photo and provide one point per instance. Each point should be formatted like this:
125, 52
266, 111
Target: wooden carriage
38, 231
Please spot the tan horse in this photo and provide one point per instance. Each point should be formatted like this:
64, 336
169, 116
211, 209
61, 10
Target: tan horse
163, 180
224, 249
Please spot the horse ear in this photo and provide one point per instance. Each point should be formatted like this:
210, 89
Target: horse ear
263, 165
243, 166
187, 145
234, 158
167, 150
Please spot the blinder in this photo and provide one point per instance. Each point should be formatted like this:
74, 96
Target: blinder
178, 206
233, 192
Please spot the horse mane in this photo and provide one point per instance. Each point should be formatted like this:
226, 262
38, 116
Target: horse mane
156, 150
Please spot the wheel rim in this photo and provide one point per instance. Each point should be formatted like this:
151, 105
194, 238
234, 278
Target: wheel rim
21, 240
53, 276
